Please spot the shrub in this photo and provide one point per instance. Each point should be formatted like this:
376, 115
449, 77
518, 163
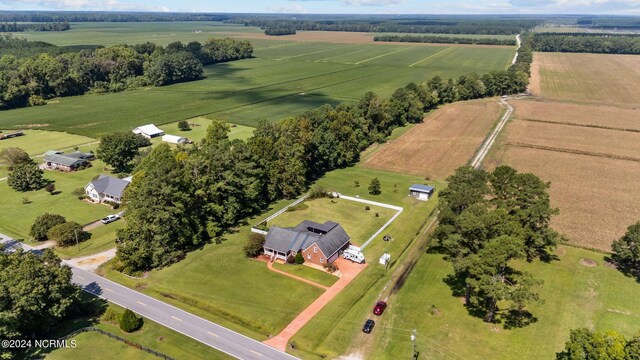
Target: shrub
377, 215
25, 200
356, 183
65, 234
183, 125
254, 245
299, 259
50, 188
43, 224
367, 208
300, 206
331, 267
129, 322
317, 192
111, 315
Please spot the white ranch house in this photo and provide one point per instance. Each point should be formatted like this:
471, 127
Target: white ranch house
106, 188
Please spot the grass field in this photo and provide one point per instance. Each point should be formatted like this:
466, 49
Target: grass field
37, 142
16, 217
93, 345
102, 238
308, 273
199, 130
358, 222
589, 78
447, 139
244, 92
575, 296
256, 301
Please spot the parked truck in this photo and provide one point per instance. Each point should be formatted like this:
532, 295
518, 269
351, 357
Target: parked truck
354, 254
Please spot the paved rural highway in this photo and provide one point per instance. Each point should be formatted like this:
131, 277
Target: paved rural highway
488, 143
208, 333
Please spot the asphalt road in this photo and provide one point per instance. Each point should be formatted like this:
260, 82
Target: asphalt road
208, 333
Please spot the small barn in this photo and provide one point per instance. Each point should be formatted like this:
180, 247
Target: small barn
421, 192
173, 139
149, 131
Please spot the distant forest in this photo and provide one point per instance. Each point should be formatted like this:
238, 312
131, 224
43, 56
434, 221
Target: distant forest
443, 40
436, 26
279, 31
587, 43
71, 16
32, 72
51, 26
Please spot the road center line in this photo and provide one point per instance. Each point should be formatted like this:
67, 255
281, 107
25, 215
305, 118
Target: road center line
81, 278
175, 318
212, 334
255, 352
141, 303
107, 289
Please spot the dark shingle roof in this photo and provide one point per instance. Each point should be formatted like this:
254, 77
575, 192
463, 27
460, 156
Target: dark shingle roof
110, 185
329, 236
421, 188
64, 160
80, 155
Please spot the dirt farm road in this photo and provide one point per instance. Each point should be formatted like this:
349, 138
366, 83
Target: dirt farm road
490, 140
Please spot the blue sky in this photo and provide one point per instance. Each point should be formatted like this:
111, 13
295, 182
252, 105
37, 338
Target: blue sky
624, 7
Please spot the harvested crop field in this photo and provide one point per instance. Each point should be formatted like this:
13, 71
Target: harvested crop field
446, 140
588, 78
595, 195
578, 114
577, 139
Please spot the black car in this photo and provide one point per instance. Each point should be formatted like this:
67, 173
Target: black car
368, 326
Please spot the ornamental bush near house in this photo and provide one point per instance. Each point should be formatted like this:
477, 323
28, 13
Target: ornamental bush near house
254, 245
299, 259
43, 224
129, 322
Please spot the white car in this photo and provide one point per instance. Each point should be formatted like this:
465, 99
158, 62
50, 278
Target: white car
110, 219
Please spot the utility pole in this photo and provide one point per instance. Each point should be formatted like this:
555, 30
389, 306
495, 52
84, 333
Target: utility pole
414, 355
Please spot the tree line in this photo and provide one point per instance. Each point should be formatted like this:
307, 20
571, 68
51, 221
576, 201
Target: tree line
29, 81
443, 40
51, 26
181, 199
280, 31
586, 344
104, 16
436, 26
587, 43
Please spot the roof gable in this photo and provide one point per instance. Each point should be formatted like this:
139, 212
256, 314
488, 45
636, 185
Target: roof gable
305, 234
109, 185
64, 160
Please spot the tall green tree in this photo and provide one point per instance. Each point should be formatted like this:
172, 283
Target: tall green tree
36, 294
626, 251
43, 224
374, 187
118, 150
26, 177
162, 220
68, 234
12, 156
585, 344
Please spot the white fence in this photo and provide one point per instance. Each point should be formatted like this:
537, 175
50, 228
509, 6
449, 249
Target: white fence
258, 231
398, 210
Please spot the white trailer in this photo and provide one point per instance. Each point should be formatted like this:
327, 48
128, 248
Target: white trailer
354, 254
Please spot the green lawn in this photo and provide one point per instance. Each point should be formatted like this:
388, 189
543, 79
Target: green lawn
102, 238
16, 218
199, 130
220, 284
93, 345
575, 296
308, 273
36, 142
247, 91
358, 222
330, 333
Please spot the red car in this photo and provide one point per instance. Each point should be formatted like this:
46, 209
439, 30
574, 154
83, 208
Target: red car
379, 308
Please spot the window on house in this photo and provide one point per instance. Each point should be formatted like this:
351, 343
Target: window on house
321, 260
315, 249
309, 256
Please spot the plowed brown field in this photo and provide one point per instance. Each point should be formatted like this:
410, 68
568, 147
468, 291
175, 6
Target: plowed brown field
581, 132
446, 140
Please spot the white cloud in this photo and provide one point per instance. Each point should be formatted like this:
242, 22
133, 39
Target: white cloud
105, 5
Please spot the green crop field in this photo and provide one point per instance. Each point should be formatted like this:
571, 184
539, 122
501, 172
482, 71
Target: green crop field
284, 78
574, 296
